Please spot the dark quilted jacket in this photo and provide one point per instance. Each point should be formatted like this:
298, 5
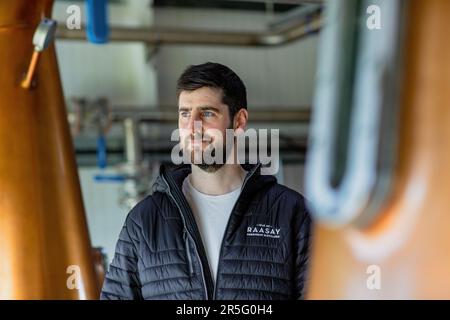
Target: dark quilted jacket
264, 254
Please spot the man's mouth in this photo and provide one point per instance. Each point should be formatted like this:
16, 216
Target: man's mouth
200, 141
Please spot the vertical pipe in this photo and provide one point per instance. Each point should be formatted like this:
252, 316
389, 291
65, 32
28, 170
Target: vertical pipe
132, 142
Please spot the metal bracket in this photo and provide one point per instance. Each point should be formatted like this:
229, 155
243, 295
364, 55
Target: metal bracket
43, 37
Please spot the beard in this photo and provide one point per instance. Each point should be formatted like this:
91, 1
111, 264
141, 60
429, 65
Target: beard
215, 165
212, 167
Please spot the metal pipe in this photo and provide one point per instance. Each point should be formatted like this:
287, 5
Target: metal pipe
299, 115
175, 36
132, 142
292, 17
294, 2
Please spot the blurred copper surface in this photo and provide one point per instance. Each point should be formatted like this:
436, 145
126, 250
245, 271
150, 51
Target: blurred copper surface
410, 243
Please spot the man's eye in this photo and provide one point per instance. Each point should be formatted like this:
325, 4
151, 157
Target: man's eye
184, 114
208, 114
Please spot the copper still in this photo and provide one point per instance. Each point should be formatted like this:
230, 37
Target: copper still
45, 250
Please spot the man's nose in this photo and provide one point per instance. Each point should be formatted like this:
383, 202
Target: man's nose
195, 123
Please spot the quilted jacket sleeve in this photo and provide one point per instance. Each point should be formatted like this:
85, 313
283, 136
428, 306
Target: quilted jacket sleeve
303, 241
122, 279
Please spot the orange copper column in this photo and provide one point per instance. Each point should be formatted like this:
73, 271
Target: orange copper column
409, 246
43, 230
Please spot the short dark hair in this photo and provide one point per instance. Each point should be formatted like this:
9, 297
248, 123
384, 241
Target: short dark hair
215, 75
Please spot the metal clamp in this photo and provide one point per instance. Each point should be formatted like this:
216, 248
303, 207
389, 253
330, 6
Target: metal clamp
43, 37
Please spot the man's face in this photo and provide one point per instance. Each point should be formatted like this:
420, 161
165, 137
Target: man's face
202, 113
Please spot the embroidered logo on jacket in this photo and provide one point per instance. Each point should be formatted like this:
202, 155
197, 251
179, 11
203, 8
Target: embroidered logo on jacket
263, 230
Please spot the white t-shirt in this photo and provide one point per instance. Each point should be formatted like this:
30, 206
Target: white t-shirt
211, 214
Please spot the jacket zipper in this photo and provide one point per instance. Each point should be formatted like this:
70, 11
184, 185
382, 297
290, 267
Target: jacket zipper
177, 203
186, 248
228, 223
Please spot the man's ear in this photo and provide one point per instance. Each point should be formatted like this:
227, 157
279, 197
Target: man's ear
240, 119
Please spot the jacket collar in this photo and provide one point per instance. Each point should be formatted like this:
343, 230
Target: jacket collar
253, 181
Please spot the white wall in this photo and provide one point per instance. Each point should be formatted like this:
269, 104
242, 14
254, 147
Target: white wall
104, 215
280, 76
116, 70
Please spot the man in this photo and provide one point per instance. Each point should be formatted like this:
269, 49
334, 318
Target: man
212, 230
